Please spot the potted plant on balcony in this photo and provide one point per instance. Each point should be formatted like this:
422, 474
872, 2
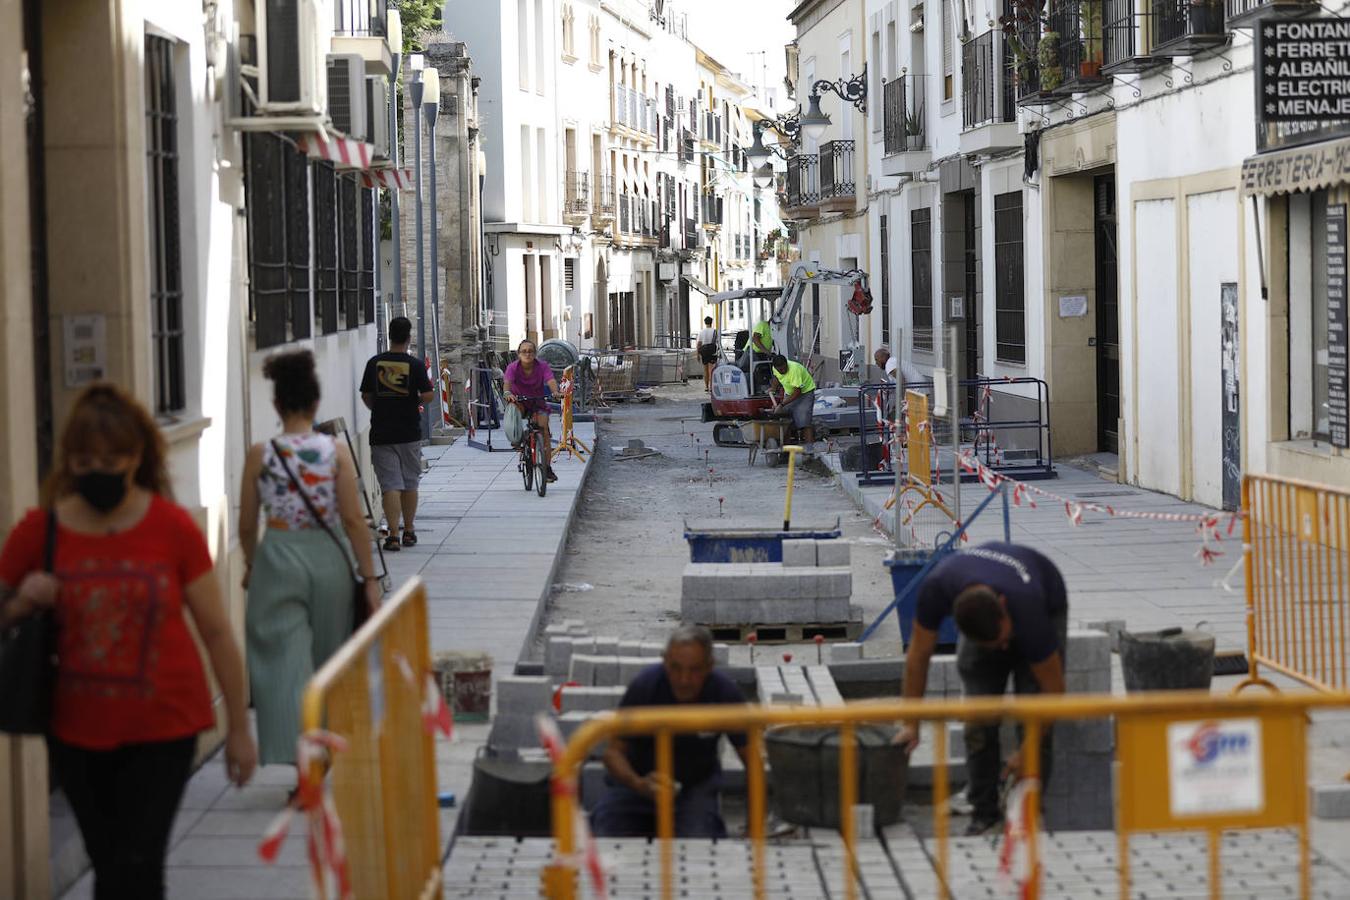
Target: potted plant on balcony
914, 126
1090, 14
1020, 28
1047, 58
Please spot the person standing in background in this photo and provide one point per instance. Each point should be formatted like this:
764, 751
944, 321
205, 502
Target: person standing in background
708, 350
131, 695
394, 386
299, 578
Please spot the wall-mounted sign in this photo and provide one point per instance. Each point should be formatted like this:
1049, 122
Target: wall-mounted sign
86, 348
1303, 70
1073, 307
1338, 342
1215, 767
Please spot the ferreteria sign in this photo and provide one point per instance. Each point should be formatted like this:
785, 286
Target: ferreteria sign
1303, 70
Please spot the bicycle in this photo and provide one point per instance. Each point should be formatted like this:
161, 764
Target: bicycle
534, 459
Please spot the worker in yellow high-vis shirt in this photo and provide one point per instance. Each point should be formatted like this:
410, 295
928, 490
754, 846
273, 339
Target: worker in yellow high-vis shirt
797, 395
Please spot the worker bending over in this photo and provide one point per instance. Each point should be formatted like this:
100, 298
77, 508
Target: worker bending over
1012, 612
628, 807
797, 395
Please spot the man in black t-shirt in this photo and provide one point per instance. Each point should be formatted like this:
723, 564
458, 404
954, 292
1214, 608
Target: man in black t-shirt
628, 807
394, 386
1012, 610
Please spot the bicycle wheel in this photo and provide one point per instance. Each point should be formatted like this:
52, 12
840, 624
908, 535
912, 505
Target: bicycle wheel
540, 470
527, 460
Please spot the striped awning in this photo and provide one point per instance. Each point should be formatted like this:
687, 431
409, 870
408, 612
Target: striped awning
393, 179
342, 151
1309, 168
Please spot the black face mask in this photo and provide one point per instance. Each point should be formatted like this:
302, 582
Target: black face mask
104, 491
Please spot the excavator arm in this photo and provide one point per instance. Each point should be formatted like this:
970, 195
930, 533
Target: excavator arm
785, 322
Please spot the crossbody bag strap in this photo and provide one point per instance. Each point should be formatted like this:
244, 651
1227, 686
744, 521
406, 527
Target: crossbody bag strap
49, 546
309, 505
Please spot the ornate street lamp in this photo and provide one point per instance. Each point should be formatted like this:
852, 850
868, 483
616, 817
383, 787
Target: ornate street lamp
814, 123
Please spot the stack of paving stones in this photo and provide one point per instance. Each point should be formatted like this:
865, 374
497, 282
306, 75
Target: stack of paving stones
587, 673
812, 585
1080, 795
797, 686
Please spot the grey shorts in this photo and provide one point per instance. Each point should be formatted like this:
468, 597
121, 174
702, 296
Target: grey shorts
398, 467
801, 409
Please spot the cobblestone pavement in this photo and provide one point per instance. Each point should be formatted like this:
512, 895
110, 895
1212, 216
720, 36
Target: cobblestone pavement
1257, 865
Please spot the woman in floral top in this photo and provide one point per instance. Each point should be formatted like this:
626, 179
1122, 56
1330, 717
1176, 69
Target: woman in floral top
298, 579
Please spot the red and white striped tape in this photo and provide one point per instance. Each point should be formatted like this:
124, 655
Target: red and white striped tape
552, 740
393, 179
342, 151
314, 798
1015, 863
435, 714
1206, 524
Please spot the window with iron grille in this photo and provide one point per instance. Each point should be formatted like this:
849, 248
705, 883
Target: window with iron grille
921, 276
569, 273
326, 246
948, 51
369, 217
276, 188
166, 275
349, 250
1010, 308
886, 285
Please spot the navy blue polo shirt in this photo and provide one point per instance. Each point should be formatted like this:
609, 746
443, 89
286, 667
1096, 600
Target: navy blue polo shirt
696, 758
1030, 581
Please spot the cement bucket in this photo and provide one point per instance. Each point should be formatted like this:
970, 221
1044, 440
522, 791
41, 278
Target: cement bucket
804, 777
1168, 660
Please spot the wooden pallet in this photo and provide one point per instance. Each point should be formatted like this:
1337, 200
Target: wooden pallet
787, 633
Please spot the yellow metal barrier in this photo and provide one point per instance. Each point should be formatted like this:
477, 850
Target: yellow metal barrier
918, 476
384, 783
1166, 745
1298, 581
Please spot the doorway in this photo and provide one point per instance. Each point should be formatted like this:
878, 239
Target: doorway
1108, 313
970, 370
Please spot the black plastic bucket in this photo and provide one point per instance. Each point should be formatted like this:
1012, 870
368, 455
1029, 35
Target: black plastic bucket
804, 779
1167, 660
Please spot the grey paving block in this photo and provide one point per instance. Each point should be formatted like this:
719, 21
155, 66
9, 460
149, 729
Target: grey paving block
582, 668
606, 645
590, 699
653, 648
558, 655
584, 645
721, 654
698, 610
1096, 681
525, 693
1088, 651
786, 698
799, 552
845, 652
631, 666
1092, 735
606, 672
831, 609
833, 553
787, 609
512, 731
1330, 801
1112, 627
630, 648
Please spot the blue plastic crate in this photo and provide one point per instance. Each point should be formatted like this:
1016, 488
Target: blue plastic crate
747, 545
904, 565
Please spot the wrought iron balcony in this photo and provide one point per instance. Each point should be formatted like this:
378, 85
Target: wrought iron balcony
1127, 28
904, 122
690, 234
603, 197
836, 171
577, 194
987, 89
1080, 52
1184, 28
1244, 13
803, 182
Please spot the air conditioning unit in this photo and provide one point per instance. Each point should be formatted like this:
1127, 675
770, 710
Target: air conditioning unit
347, 94
377, 113
290, 62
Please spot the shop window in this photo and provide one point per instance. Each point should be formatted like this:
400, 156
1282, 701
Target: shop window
1309, 360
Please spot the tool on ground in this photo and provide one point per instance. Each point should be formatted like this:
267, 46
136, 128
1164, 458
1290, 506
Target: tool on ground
791, 450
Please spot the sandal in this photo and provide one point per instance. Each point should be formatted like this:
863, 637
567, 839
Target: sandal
409, 539
391, 544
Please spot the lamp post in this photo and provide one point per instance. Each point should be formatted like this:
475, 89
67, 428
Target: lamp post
431, 104
416, 86
394, 36
814, 121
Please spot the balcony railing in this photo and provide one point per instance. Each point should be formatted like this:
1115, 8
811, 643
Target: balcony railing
1079, 26
1126, 29
577, 199
361, 18
987, 91
803, 180
904, 123
1182, 28
604, 196
836, 170
1243, 13
712, 211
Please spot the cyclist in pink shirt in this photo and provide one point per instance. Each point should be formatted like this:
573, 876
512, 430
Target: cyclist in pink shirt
525, 381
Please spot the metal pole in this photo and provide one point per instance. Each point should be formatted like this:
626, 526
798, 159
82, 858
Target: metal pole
954, 409
430, 109
394, 107
421, 281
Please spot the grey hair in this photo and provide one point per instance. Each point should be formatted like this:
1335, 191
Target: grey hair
883, 348
692, 634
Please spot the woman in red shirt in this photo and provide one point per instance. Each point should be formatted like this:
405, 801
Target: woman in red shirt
131, 695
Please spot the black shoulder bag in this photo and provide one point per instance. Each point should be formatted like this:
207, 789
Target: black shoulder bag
28, 663
360, 611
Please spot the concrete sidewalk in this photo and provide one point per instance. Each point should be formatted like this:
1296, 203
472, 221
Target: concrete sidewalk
487, 551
